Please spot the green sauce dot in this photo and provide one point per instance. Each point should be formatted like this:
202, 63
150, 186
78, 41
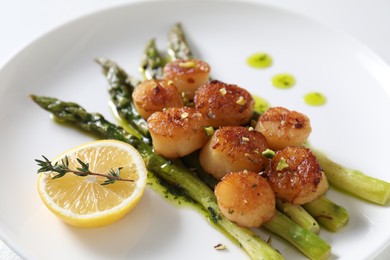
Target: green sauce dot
261, 105
283, 81
259, 60
314, 99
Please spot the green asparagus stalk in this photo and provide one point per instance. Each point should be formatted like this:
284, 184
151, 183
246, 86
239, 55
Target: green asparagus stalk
193, 186
121, 87
152, 63
306, 241
178, 48
327, 213
191, 161
299, 215
353, 181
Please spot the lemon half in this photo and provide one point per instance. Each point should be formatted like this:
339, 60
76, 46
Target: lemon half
83, 201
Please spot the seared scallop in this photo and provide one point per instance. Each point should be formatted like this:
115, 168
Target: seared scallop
224, 104
177, 132
187, 75
295, 175
282, 127
153, 95
245, 198
233, 148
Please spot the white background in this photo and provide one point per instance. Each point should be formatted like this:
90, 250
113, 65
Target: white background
23, 21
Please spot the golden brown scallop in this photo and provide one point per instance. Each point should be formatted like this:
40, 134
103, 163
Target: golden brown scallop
233, 148
282, 127
295, 175
177, 132
245, 198
187, 75
153, 95
224, 104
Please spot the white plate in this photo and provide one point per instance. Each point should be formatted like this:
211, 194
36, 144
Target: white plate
352, 127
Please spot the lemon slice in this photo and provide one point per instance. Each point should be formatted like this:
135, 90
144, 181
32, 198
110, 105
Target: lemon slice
83, 201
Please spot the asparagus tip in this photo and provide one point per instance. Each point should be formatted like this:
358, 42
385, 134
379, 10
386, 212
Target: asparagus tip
101, 61
33, 97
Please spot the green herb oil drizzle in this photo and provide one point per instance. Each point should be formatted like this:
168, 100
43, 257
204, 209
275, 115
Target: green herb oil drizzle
259, 60
314, 99
283, 81
261, 105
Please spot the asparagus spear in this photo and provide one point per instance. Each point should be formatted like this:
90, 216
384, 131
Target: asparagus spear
178, 47
299, 215
151, 65
306, 241
195, 188
121, 87
327, 213
151, 62
191, 161
354, 181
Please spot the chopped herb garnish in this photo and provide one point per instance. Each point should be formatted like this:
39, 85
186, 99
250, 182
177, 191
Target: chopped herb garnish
268, 153
241, 101
209, 130
223, 91
220, 246
282, 164
187, 64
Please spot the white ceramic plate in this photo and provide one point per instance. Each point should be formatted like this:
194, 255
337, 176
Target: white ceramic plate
352, 127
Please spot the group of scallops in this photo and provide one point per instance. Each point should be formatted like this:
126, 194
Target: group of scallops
255, 165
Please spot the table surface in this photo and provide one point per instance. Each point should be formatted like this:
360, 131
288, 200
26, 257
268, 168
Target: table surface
23, 21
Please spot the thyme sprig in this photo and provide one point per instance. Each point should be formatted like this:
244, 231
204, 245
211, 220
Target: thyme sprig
62, 168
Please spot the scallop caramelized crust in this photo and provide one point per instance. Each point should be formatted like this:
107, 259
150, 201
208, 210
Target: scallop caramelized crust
295, 176
224, 104
153, 95
187, 75
177, 132
233, 148
282, 127
245, 198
